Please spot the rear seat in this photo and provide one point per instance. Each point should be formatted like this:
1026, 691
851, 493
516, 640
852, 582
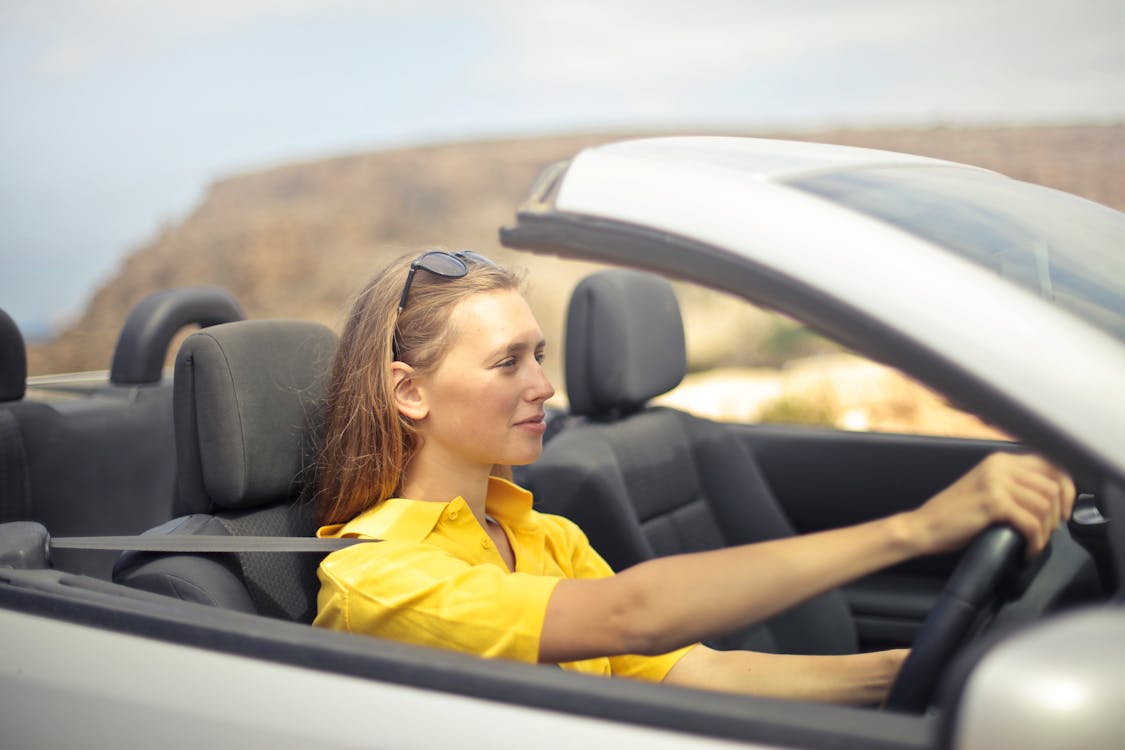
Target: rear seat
15, 497
99, 458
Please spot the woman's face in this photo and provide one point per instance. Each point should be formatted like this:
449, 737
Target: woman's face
485, 399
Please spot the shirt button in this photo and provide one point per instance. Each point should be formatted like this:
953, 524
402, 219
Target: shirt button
453, 515
485, 543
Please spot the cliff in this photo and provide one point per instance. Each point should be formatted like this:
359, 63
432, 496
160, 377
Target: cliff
299, 239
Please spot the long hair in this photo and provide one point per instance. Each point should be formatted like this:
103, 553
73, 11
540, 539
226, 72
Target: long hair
367, 444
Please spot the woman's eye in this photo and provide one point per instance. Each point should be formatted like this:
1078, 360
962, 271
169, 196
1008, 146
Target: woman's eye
508, 363
540, 356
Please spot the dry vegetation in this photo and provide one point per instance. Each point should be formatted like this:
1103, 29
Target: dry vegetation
838, 390
298, 240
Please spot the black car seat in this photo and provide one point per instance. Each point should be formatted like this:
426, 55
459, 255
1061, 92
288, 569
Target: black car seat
247, 397
13, 360
645, 481
15, 494
99, 458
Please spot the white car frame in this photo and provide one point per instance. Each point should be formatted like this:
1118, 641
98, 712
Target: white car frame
85, 662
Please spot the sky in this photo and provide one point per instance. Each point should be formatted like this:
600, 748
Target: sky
116, 115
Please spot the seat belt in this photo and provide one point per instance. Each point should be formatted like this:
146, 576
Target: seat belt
204, 543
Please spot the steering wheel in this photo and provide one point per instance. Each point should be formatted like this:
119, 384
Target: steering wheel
992, 557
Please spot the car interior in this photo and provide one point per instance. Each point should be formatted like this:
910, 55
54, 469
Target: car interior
646, 481
223, 448
98, 457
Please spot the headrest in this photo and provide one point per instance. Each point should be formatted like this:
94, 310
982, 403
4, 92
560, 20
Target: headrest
247, 399
142, 346
13, 360
624, 342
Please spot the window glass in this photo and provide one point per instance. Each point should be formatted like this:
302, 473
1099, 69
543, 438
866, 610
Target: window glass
750, 365
1058, 246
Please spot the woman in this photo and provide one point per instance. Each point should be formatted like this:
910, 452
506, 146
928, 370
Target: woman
438, 388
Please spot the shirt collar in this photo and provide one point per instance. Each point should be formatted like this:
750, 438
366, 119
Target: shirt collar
508, 502
413, 520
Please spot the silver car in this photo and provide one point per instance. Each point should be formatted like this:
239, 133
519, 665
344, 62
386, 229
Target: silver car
1007, 298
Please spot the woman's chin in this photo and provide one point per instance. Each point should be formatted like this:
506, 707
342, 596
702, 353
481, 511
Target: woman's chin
525, 457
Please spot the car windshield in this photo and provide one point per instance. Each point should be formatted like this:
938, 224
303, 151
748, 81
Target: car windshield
1065, 249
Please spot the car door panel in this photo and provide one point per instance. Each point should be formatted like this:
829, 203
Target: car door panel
826, 478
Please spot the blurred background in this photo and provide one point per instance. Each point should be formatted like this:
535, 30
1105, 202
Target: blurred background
284, 148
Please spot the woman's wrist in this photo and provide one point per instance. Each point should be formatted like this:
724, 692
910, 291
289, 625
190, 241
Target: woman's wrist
909, 534
890, 665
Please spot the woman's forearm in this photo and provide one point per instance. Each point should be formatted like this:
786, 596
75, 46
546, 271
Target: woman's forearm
860, 679
719, 591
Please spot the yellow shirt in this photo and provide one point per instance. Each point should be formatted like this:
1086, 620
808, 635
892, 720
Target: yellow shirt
438, 580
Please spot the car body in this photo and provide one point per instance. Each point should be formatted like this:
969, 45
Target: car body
1007, 298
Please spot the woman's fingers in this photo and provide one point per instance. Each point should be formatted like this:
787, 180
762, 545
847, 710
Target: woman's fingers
1036, 486
1018, 489
1034, 514
1052, 483
1069, 494
1029, 493
1032, 529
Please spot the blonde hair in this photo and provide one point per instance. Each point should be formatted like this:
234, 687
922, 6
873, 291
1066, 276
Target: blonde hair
367, 443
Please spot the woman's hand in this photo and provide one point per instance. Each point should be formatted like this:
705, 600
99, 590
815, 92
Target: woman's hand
1022, 490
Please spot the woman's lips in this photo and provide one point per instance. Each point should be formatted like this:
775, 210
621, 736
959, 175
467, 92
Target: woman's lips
536, 424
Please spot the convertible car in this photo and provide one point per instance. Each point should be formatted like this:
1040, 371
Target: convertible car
157, 579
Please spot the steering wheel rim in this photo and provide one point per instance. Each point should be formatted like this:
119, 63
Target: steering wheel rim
992, 557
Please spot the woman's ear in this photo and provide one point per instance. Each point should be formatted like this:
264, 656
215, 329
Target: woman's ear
409, 399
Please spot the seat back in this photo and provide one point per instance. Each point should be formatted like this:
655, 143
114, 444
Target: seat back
646, 481
91, 457
15, 493
247, 400
13, 360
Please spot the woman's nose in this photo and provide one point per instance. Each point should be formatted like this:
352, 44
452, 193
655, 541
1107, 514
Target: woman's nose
541, 388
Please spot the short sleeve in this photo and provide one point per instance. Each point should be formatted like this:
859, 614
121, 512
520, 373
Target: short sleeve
416, 593
650, 668
572, 549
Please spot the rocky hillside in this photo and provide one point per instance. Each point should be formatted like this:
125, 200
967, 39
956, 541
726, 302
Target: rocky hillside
298, 240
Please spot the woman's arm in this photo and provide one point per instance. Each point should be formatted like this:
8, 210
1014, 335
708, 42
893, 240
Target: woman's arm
670, 602
861, 679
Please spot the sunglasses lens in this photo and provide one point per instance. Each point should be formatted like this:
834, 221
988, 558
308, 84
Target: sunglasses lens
475, 258
443, 264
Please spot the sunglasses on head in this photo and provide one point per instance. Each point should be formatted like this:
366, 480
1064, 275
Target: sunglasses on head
440, 263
